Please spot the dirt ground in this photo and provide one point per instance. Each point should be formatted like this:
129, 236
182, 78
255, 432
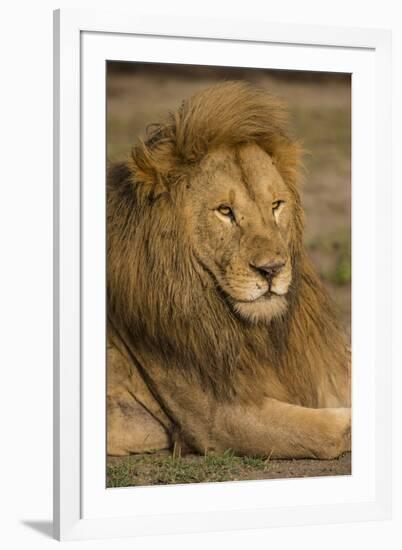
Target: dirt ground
162, 469
320, 108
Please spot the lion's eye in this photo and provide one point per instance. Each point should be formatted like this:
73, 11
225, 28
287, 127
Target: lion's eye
226, 211
276, 205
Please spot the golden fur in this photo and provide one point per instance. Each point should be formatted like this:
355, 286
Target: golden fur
186, 311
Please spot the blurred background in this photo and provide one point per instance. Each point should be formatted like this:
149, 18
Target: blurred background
320, 107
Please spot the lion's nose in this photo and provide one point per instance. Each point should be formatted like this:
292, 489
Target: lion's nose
270, 269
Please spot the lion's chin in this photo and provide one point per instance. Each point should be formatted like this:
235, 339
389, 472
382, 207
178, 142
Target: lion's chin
263, 309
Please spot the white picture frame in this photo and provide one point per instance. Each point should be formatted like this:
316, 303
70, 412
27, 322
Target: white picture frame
83, 507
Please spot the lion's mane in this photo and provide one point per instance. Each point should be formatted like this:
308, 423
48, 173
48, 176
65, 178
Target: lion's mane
157, 292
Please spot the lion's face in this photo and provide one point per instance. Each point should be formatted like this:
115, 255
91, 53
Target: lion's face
239, 226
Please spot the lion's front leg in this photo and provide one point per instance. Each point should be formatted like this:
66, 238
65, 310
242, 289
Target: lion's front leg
282, 430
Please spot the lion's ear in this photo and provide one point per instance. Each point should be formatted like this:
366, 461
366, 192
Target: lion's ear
153, 167
159, 188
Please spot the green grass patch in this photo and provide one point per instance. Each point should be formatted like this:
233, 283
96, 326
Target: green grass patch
335, 252
163, 470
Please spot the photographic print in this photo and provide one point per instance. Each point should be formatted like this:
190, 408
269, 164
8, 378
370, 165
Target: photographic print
228, 274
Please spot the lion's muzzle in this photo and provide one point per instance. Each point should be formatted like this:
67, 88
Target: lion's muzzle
269, 270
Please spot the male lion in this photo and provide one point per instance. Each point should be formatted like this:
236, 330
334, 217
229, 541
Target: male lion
220, 334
